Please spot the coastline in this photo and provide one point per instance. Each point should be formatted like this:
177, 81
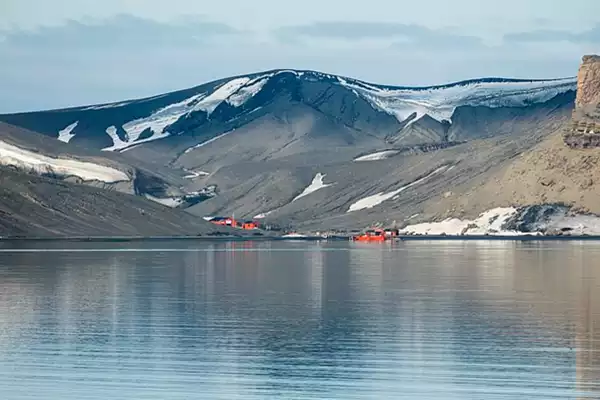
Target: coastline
309, 238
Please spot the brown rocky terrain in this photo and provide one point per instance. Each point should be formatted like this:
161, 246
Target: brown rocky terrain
563, 168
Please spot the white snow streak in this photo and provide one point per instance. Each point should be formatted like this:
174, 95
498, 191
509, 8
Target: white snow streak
381, 155
195, 174
211, 102
265, 214
207, 142
488, 223
105, 106
316, 184
29, 160
66, 134
376, 199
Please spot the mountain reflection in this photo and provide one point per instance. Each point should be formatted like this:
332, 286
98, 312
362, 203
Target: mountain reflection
305, 319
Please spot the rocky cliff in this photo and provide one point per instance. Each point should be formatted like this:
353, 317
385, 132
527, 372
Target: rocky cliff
584, 130
563, 169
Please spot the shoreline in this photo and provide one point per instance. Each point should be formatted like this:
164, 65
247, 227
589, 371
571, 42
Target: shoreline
308, 238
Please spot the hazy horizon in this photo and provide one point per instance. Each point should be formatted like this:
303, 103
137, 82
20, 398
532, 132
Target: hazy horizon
90, 52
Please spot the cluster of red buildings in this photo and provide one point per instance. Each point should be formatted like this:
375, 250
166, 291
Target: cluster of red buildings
230, 221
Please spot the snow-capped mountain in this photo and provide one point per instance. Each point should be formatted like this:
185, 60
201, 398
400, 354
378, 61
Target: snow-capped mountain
122, 125
311, 148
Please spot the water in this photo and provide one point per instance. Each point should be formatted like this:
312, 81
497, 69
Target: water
413, 320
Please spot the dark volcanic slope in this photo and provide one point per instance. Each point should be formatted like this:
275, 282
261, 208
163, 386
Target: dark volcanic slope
32, 205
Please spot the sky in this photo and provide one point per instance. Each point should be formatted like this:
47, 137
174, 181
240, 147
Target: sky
64, 53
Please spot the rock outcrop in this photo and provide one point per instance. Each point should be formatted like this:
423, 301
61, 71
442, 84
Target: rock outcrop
584, 130
588, 82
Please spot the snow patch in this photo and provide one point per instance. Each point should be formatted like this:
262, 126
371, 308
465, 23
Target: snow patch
21, 158
376, 199
488, 223
67, 134
381, 155
211, 102
316, 184
246, 93
117, 142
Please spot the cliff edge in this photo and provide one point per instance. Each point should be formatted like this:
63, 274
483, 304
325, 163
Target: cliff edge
584, 130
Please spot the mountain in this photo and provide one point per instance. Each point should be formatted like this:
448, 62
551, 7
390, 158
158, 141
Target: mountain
315, 150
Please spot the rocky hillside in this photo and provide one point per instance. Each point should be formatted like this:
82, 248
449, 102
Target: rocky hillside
49, 188
34, 205
314, 150
563, 169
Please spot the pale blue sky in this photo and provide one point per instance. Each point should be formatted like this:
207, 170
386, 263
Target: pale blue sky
72, 52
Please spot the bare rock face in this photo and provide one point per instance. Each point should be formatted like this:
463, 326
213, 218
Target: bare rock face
588, 82
584, 130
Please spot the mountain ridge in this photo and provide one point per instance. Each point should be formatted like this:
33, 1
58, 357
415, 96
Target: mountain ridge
490, 79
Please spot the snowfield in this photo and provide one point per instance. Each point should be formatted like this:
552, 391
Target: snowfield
494, 223
207, 142
439, 102
316, 184
39, 163
376, 199
380, 155
65, 135
488, 223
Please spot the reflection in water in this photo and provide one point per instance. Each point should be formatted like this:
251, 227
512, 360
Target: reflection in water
440, 320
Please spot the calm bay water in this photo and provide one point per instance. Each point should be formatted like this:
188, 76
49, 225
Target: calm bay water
413, 320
